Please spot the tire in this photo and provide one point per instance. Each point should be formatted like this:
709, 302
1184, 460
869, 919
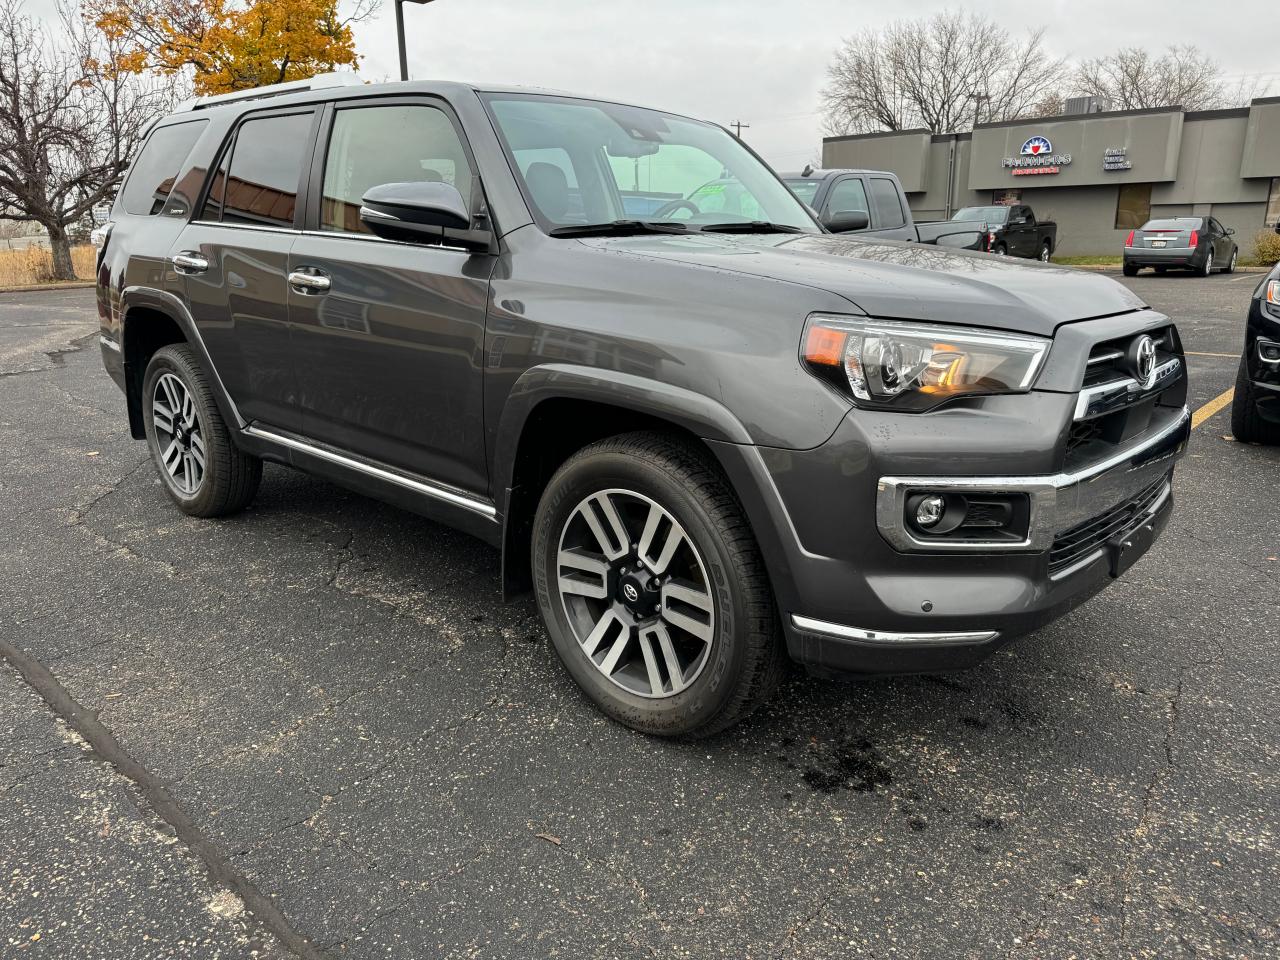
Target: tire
1000, 250
1130, 270
1231, 265
1247, 424
229, 478
1162, 270
1207, 269
723, 654
1046, 251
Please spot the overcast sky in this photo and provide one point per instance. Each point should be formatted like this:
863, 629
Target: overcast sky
758, 61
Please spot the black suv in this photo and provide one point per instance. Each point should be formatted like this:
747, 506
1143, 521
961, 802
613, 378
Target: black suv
706, 438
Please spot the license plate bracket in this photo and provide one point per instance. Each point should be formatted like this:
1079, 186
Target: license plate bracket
1123, 551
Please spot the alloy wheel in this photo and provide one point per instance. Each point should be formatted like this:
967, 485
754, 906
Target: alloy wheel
1045, 254
636, 593
178, 438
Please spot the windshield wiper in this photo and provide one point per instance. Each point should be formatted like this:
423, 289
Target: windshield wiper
750, 226
618, 228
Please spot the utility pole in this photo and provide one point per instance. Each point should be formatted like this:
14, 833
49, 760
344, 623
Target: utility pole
404, 59
738, 127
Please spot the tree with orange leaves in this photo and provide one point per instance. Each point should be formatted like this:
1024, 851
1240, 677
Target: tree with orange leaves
231, 44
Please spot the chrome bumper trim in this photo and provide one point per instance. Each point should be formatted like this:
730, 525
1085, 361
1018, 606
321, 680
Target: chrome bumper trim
888, 637
108, 343
1058, 501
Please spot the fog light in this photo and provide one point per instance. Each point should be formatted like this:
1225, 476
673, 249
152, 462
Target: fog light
929, 511
1268, 350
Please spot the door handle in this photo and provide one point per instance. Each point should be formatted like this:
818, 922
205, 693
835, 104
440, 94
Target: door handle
189, 263
309, 282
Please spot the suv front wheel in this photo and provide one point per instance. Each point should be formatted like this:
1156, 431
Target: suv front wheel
204, 472
652, 587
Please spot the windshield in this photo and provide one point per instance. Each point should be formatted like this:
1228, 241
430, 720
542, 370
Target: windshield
586, 162
996, 214
806, 190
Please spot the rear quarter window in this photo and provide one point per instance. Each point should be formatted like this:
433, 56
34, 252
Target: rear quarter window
157, 167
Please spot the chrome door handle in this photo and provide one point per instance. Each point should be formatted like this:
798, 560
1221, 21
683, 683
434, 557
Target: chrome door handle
310, 282
189, 263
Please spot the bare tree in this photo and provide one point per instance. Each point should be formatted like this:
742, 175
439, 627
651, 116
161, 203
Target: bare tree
1184, 76
69, 122
944, 73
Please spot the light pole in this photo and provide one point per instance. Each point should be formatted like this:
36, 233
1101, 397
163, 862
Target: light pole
404, 59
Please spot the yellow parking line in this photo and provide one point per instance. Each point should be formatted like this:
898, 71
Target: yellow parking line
1210, 408
1192, 353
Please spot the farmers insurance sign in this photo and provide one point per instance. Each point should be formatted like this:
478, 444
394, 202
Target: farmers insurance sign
1036, 158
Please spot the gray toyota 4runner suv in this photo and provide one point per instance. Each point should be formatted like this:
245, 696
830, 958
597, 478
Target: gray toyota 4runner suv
708, 434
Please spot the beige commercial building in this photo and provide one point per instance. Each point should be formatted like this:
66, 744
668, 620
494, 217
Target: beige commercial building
1098, 175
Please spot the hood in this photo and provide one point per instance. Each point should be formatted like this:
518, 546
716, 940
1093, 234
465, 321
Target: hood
908, 281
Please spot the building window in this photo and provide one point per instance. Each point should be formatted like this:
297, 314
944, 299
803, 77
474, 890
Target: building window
1273, 204
1133, 206
1006, 198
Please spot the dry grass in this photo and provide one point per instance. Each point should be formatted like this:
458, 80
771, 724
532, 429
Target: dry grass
35, 265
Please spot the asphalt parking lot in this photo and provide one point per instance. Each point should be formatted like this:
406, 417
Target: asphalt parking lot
314, 730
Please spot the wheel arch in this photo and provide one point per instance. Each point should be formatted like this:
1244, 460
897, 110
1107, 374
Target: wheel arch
151, 319
557, 409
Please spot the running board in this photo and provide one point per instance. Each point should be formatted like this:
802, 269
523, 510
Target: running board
416, 484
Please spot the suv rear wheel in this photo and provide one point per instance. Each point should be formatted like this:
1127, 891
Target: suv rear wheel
203, 471
652, 587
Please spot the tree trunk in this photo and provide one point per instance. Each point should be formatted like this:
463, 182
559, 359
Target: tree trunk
63, 269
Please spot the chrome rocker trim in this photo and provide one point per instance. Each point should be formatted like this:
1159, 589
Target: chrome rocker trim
1058, 501
421, 486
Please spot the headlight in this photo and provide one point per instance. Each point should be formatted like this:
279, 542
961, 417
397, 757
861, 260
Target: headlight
1273, 293
916, 366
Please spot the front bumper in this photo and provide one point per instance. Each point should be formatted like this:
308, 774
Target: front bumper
856, 598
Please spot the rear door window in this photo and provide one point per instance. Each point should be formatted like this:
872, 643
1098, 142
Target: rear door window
888, 206
261, 185
158, 166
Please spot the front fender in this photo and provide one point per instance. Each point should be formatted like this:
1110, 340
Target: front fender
699, 414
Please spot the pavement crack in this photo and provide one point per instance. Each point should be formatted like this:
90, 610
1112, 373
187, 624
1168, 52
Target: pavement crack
101, 744
57, 358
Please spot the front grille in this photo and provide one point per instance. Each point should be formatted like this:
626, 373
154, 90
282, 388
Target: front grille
1074, 544
1107, 360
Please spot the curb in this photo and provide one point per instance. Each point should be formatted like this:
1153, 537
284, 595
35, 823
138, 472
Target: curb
1115, 268
62, 285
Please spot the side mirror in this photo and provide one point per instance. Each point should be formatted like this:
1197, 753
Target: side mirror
844, 221
414, 212
1230, 231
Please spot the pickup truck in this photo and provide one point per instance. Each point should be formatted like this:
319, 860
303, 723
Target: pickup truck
705, 440
872, 203
1014, 231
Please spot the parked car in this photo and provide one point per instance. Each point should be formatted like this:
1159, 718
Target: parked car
1201, 244
871, 203
1255, 405
705, 441
1014, 230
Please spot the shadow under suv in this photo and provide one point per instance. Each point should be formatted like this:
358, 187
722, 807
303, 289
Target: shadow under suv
707, 439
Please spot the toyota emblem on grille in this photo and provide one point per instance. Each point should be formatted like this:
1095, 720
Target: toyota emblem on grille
1142, 361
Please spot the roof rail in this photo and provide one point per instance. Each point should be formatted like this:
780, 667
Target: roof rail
320, 81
